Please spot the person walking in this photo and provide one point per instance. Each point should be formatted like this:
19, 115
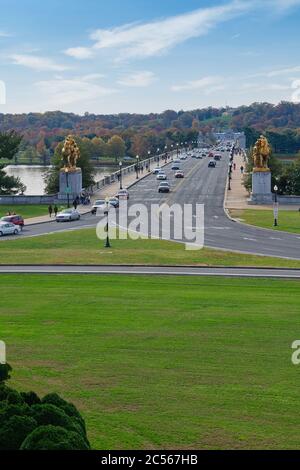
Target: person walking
55, 210
234, 166
50, 210
242, 170
75, 204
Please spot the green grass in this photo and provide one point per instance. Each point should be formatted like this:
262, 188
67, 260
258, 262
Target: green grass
289, 221
161, 362
83, 247
26, 211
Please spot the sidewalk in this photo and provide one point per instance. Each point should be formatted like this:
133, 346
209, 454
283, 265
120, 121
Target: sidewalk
108, 191
237, 198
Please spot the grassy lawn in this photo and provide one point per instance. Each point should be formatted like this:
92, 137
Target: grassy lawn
83, 247
26, 211
156, 362
289, 221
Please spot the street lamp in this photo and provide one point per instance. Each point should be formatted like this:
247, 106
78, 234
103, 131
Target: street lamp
177, 149
158, 150
137, 166
120, 166
149, 153
107, 243
276, 206
67, 189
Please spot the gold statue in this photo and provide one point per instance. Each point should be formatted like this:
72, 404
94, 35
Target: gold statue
261, 154
70, 154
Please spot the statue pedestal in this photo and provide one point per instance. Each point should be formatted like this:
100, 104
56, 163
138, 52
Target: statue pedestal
261, 188
70, 184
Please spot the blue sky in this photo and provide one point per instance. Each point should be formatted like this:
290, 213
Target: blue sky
147, 56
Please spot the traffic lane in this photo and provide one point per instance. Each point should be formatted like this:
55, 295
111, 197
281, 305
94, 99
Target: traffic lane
154, 270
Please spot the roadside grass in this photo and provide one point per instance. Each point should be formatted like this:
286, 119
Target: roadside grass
289, 220
83, 247
160, 362
27, 211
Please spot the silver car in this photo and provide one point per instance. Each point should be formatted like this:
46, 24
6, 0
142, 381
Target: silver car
7, 228
67, 215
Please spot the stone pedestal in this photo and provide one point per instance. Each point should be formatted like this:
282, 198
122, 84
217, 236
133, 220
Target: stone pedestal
70, 184
261, 188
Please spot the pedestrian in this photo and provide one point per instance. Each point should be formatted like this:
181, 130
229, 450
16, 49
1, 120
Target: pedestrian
75, 204
55, 210
234, 166
50, 210
242, 169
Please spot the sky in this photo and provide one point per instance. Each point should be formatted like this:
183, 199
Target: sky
142, 56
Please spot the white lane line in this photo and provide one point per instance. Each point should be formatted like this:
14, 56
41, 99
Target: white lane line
274, 238
250, 239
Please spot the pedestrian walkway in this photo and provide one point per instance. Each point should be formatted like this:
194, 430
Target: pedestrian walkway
237, 197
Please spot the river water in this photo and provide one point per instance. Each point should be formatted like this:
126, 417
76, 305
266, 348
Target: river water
33, 176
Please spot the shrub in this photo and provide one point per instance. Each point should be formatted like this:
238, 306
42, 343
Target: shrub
54, 438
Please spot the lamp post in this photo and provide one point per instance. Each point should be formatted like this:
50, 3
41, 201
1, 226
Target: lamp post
107, 243
158, 150
137, 166
276, 206
68, 189
120, 166
177, 149
166, 153
149, 153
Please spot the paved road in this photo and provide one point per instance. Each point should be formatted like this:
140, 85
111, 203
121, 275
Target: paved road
201, 185
155, 270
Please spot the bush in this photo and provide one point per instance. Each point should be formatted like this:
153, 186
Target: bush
14, 431
54, 438
30, 398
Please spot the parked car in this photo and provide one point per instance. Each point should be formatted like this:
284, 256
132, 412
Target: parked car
212, 164
161, 177
67, 215
179, 174
123, 194
164, 187
6, 228
14, 219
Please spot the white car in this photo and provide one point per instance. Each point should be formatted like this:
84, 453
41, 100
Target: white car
100, 206
67, 215
161, 177
7, 228
156, 171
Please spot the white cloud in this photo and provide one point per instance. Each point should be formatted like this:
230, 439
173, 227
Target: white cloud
4, 34
59, 91
205, 83
80, 53
37, 63
154, 38
138, 79
283, 5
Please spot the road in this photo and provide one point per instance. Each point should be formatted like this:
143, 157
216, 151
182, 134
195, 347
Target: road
200, 185
155, 270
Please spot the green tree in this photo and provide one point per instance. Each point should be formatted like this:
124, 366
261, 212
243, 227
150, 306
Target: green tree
9, 145
54, 438
116, 147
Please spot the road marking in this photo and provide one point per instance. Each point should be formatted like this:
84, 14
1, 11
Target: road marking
250, 239
274, 238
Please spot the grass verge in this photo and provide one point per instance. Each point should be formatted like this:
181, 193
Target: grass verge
289, 221
83, 247
27, 211
155, 362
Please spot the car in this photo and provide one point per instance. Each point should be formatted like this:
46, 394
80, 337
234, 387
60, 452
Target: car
212, 164
6, 228
99, 205
67, 215
164, 187
217, 158
161, 177
177, 160
123, 194
179, 174
183, 157
198, 157
156, 171
14, 219
204, 155
114, 201
175, 167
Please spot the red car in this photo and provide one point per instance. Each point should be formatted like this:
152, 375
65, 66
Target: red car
14, 219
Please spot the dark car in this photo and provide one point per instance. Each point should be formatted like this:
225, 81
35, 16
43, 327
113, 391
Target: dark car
212, 164
14, 219
217, 157
164, 187
175, 167
114, 201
